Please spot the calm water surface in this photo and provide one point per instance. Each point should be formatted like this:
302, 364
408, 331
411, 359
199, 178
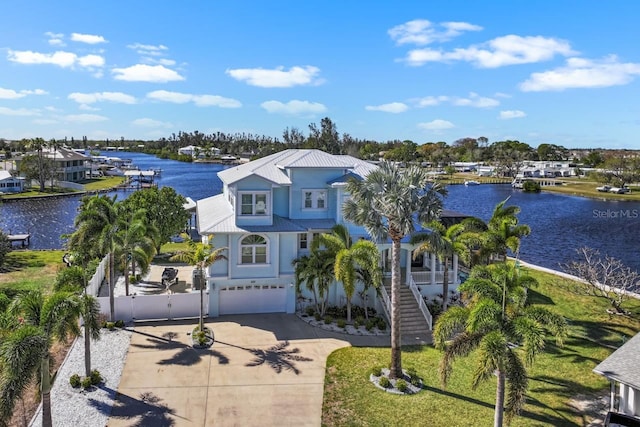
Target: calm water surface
559, 223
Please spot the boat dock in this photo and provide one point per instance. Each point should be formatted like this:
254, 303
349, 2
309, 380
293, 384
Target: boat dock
22, 239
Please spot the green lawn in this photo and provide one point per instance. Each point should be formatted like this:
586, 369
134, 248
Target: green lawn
104, 183
28, 270
588, 189
556, 377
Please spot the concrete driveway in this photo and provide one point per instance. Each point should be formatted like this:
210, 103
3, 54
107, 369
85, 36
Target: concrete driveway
263, 370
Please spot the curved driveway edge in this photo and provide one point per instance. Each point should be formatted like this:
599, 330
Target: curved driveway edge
263, 370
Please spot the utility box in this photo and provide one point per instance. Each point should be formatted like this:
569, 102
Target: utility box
198, 279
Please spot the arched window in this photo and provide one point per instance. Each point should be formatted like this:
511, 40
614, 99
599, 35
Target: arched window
253, 250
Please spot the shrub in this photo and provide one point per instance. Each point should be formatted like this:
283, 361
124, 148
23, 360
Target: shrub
328, 320
531, 187
402, 385
119, 324
371, 323
74, 380
381, 324
201, 337
384, 382
95, 377
317, 316
110, 326
376, 371
309, 311
360, 320
342, 323
86, 383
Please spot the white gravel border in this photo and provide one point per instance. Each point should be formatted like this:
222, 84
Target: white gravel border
77, 407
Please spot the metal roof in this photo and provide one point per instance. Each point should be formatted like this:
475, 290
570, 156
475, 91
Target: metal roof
273, 168
623, 365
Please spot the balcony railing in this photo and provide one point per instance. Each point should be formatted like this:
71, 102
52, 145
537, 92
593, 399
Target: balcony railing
424, 277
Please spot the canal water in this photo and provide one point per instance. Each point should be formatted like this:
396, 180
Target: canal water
559, 224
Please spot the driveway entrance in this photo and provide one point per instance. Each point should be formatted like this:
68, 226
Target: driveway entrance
263, 370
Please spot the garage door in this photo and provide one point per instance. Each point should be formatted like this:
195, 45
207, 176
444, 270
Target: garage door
253, 299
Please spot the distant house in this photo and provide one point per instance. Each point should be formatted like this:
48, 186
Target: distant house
198, 152
268, 213
69, 165
10, 184
622, 369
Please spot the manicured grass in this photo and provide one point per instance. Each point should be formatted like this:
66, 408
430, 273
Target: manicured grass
28, 270
555, 378
104, 183
588, 189
34, 192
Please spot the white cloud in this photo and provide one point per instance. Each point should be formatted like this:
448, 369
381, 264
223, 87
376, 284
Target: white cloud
85, 118
436, 125
87, 38
12, 94
583, 73
148, 49
499, 52
4, 111
278, 77
151, 123
44, 122
473, 100
198, 100
85, 107
60, 58
392, 107
161, 61
422, 32
55, 39
294, 107
90, 98
146, 73
511, 114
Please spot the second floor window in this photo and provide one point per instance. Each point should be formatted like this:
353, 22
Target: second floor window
253, 204
253, 250
314, 199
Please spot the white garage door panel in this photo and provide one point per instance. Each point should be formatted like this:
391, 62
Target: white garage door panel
253, 299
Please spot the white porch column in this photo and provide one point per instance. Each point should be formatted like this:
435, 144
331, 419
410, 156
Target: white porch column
408, 269
612, 396
455, 269
433, 268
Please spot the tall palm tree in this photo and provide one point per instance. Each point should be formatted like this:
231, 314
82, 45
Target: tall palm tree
25, 351
54, 145
445, 242
316, 272
38, 145
503, 232
201, 256
349, 258
134, 243
502, 328
97, 225
389, 203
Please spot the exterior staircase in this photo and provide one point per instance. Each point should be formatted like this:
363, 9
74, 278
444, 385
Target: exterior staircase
413, 326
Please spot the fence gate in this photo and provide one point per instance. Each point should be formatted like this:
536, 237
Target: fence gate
156, 307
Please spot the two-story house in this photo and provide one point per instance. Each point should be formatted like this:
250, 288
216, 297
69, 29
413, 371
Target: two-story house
266, 217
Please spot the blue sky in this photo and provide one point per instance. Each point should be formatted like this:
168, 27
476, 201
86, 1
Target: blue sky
560, 72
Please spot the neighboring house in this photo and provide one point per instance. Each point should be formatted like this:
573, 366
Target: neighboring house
268, 213
622, 369
198, 152
10, 184
69, 166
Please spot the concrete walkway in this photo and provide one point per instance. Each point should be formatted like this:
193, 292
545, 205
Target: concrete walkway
263, 370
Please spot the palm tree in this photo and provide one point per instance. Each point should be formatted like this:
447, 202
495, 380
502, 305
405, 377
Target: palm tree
38, 145
349, 258
503, 232
390, 202
498, 323
54, 145
445, 242
134, 243
316, 271
97, 225
24, 353
201, 256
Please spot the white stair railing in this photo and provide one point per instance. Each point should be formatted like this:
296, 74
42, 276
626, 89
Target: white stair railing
423, 307
386, 303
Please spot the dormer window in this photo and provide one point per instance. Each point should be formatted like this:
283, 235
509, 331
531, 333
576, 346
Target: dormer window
314, 199
255, 203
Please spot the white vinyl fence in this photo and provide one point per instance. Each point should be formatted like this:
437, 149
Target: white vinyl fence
146, 307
